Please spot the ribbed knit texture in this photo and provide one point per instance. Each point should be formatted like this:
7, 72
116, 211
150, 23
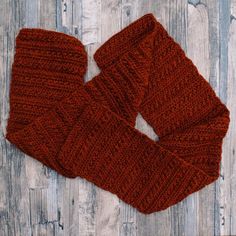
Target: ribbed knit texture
48, 66
44, 137
90, 130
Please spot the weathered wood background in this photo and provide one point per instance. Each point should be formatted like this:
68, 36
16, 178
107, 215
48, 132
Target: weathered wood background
34, 200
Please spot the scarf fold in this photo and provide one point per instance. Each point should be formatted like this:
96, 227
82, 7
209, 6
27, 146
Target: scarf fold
88, 130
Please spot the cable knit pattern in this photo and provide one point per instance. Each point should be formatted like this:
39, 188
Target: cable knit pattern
88, 130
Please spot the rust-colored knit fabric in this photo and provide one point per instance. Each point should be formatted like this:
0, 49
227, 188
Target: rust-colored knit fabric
89, 130
48, 66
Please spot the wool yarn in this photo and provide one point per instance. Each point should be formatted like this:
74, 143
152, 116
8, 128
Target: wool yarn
43, 137
89, 131
48, 66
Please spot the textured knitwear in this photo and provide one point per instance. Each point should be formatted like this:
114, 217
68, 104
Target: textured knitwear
45, 83
90, 133
48, 66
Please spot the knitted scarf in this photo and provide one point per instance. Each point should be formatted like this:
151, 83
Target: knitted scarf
87, 130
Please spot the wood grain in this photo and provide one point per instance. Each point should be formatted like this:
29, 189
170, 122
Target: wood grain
35, 200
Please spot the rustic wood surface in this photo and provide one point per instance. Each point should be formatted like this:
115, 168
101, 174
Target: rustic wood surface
34, 200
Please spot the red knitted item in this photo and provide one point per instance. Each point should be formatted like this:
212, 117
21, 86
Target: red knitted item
48, 66
90, 133
39, 124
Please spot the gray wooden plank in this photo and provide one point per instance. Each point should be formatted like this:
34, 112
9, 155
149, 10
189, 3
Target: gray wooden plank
32, 13
107, 217
230, 146
198, 49
224, 17
214, 79
213, 20
223, 187
227, 184
87, 208
14, 211
66, 7
90, 21
68, 206
47, 14
198, 44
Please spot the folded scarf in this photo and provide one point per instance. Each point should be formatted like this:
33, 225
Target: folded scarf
88, 130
